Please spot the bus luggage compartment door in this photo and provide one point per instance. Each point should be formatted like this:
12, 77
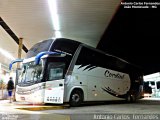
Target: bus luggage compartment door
54, 91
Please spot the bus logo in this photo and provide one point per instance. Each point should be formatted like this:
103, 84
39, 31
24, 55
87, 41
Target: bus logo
113, 75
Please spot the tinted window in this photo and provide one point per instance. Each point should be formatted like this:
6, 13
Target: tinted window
55, 71
158, 85
152, 83
91, 57
65, 45
39, 47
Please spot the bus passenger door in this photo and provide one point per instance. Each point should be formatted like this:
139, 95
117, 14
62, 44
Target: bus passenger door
54, 88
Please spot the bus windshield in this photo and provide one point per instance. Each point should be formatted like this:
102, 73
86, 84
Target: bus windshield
31, 74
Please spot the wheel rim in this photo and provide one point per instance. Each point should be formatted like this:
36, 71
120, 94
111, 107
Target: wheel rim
76, 98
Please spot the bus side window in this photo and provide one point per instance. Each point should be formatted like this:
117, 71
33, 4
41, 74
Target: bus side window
158, 85
55, 73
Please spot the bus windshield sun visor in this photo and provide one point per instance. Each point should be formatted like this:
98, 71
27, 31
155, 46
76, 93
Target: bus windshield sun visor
14, 61
39, 55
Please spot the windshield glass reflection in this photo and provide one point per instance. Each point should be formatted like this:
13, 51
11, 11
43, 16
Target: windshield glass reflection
31, 73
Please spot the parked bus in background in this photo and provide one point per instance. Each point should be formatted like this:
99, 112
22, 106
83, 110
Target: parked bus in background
63, 70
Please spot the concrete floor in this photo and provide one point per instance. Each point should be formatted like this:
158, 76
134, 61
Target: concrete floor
9, 111
149, 108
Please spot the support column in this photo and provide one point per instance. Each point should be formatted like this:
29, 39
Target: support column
1, 82
20, 51
18, 64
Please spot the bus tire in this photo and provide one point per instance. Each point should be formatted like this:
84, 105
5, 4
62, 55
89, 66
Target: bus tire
76, 98
128, 98
133, 99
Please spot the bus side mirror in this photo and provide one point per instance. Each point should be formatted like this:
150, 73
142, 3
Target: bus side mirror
14, 61
41, 54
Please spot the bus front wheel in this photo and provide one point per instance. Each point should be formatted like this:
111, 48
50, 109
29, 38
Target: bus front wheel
76, 98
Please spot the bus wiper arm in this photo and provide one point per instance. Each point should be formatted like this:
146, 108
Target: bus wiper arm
14, 61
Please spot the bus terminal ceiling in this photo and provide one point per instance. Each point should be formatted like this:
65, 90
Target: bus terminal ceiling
128, 33
82, 20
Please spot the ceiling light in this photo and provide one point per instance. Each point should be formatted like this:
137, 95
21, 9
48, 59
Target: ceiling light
58, 34
54, 14
6, 54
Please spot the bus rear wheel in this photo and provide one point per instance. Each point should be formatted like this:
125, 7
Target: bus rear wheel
131, 98
76, 98
128, 98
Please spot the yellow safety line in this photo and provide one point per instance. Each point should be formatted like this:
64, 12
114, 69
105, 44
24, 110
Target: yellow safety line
43, 108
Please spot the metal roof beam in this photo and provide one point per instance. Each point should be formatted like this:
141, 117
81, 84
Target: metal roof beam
11, 33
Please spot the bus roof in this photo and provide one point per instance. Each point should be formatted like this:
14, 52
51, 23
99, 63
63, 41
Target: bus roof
64, 45
59, 44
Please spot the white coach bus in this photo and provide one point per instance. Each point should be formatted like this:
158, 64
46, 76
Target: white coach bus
63, 70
